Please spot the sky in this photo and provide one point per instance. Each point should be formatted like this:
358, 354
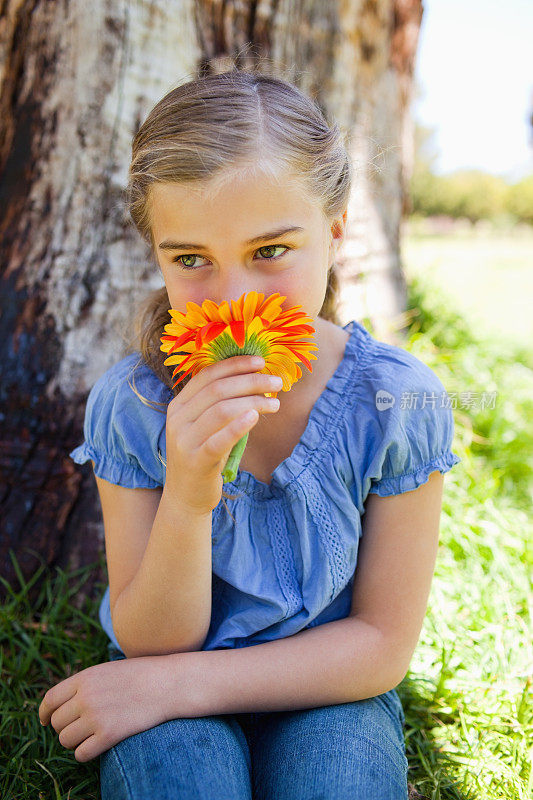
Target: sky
474, 84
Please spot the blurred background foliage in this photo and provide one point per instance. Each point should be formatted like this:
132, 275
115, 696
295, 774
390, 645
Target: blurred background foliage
469, 194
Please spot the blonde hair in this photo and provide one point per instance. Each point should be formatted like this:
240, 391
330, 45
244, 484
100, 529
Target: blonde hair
206, 128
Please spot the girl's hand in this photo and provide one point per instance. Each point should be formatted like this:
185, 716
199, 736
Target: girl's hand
205, 421
99, 706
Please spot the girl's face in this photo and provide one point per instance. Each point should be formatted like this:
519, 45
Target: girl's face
222, 246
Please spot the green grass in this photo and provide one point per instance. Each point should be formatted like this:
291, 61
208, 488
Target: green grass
467, 696
43, 640
468, 692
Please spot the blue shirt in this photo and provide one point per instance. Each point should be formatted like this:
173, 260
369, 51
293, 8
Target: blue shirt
286, 561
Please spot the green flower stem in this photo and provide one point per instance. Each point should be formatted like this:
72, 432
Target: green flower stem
224, 346
229, 473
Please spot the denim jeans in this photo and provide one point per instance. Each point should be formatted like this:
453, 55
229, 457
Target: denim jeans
351, 751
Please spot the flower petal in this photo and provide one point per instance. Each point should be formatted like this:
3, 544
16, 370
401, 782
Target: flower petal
255, 324
238, 332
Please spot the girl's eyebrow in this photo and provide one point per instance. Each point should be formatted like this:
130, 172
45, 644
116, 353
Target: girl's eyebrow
169, 244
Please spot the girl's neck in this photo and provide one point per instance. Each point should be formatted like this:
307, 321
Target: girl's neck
328, 337
274, 436
331, 341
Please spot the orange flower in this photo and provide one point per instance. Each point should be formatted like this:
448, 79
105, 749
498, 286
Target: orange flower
249, 326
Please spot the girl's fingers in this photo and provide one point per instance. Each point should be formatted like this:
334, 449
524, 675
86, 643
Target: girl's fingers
74, 734
89, 749
221, 369
55, 697
225, 414
218, 445
65, 715
233, 387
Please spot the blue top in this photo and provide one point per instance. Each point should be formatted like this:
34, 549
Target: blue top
286, 561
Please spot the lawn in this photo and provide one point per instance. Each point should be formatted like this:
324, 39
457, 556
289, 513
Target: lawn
467, 696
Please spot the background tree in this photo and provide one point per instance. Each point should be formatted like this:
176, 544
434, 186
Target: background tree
76, 81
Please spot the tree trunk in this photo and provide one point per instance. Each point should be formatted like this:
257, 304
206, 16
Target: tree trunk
76, 81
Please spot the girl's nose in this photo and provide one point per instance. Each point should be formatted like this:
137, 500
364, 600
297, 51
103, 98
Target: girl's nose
234, 290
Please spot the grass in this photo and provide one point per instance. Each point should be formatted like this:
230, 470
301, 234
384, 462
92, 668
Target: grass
468, 692
467, 696
43, 641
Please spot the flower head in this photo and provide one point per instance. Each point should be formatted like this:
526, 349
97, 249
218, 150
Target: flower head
249, 326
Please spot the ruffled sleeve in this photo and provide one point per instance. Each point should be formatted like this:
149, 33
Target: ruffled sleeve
415, 422
124, 435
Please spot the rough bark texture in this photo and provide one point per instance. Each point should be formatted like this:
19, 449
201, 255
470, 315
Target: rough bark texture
76, 80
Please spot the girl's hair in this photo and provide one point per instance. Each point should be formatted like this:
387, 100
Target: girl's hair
207, 129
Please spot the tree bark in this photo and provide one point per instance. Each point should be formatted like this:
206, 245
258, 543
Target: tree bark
76, 81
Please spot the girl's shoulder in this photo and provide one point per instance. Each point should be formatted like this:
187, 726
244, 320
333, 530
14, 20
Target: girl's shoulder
406, 413
385, 362
125, 418
130, 370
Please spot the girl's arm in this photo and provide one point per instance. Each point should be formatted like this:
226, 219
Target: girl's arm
363, 655
164, 606
159, 563
350, 659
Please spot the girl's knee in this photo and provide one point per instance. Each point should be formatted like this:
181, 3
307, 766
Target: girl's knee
198, 757
351, 750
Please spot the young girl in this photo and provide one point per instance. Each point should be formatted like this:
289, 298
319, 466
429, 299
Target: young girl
248, 655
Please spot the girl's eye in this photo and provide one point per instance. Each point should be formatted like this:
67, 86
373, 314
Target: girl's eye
178, 259
273, 247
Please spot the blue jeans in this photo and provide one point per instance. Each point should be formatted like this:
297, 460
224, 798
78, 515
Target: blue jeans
351, 751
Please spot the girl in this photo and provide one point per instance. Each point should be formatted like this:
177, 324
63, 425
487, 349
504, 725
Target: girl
248, 656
